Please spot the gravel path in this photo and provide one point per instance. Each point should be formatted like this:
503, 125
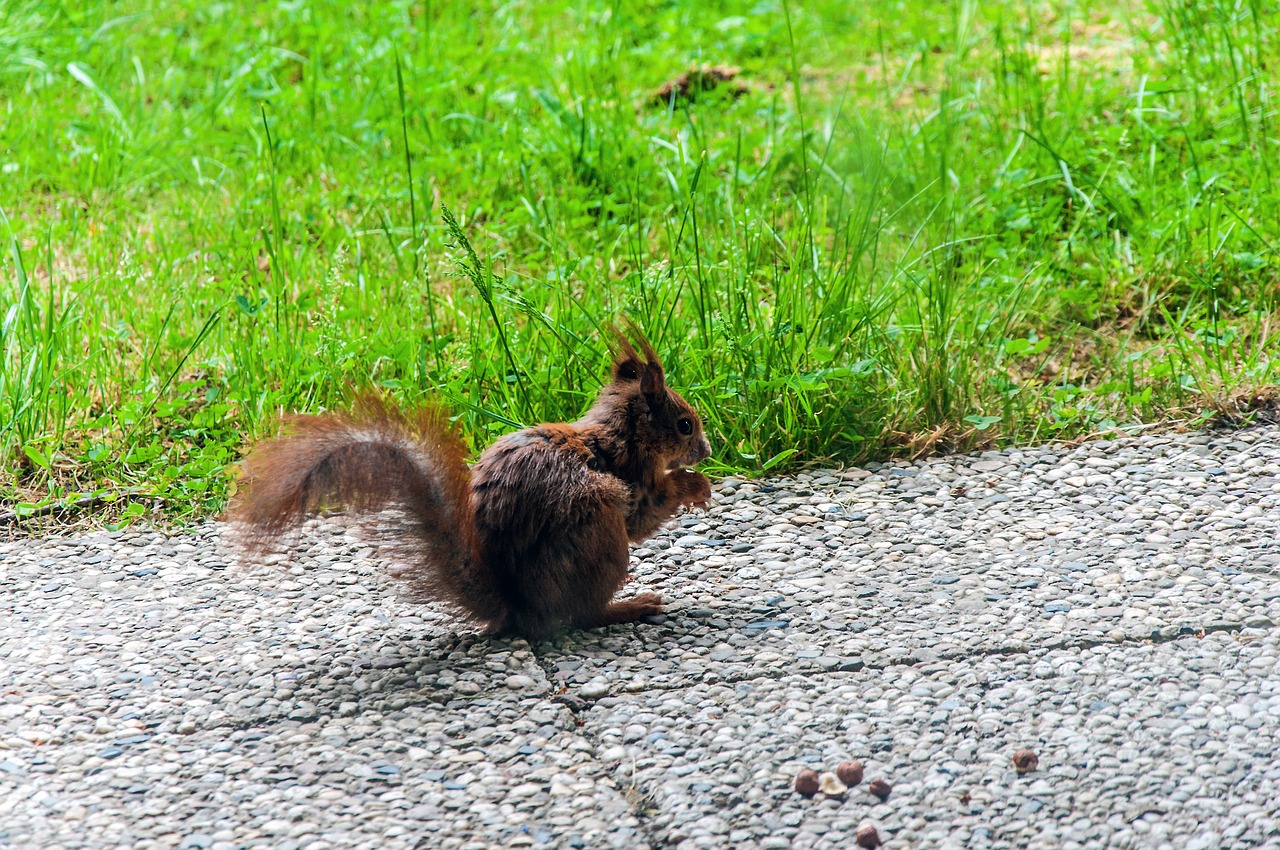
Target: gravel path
1112, 607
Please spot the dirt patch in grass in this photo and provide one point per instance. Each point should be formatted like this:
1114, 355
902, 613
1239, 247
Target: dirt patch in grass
1101, 44
687, 87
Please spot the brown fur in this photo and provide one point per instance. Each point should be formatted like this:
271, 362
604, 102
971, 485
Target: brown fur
533, 538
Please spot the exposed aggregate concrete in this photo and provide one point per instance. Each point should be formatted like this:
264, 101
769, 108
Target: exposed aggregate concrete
1111, 606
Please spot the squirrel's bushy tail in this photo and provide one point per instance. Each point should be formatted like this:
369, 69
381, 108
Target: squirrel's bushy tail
376, 456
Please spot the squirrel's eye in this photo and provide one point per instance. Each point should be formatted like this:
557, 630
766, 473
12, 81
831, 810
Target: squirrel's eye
685, 426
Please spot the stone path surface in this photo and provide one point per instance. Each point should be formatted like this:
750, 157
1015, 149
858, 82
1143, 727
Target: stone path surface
1112, 607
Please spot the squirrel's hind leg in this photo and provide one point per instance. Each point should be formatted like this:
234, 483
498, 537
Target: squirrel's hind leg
625, 611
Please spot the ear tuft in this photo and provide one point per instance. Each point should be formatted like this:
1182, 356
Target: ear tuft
630, 365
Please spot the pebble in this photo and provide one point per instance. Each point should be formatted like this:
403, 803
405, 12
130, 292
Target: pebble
595, 688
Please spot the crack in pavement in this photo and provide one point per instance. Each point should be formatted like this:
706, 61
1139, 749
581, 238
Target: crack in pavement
638, 799
579, 704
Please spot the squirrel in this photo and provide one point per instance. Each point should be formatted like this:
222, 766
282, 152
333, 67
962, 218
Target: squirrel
530, 540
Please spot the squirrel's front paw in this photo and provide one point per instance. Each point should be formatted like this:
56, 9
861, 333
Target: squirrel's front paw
693, 487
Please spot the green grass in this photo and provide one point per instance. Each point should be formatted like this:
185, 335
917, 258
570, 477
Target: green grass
916, 225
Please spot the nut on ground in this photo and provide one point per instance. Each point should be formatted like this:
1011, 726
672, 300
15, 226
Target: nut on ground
807, 783
850, 772
880, 788
831, 785
1025, 761
866, 836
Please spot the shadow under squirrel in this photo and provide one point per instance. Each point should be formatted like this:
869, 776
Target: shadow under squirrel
532, 539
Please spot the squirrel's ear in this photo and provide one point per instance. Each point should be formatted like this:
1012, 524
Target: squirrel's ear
652, 381
627, 365
626, 369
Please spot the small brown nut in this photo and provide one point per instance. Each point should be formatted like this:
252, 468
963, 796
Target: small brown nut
880, 788
1025, 761
866, 836
965, 799
807, 782
850, 772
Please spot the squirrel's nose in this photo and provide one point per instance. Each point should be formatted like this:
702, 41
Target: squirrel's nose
700, 452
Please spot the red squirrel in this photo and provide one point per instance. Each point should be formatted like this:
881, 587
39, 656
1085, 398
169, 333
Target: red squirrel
532, 539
